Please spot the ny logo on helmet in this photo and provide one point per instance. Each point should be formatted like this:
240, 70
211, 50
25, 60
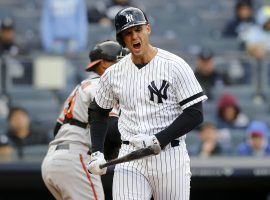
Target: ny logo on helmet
129, 18
161, 92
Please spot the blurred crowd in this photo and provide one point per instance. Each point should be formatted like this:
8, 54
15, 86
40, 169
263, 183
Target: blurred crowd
64, 31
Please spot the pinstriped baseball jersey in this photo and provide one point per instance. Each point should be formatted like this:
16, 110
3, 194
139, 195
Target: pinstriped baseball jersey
152, 97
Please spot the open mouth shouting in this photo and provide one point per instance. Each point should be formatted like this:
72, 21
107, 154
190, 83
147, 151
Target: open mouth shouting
137, 45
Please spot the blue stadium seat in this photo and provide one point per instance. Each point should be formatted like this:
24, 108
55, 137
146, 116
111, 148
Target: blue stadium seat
37, 107
34, 152
192, 141
42, 105
262, 116
210, 110
3, 125
241, 92
237, 137
98, 33
30, 93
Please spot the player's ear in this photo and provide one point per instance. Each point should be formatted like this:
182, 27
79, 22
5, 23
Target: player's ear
148, 28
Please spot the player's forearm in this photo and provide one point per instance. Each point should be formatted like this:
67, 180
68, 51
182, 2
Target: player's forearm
113, 136
97, 118
98, 131
188, 120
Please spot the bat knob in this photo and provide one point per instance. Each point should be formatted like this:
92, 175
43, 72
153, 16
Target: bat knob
156, 149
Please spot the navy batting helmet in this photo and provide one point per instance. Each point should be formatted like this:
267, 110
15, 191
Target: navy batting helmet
126, 18
108, 50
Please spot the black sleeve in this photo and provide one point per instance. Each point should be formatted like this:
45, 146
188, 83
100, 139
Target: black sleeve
113, 139
188, 120
97, 118
56, 128
113, 134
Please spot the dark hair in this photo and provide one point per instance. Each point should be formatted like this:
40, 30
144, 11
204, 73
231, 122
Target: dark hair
227, 99
205, 53
241, 3
221, 111
15, 109
7, 23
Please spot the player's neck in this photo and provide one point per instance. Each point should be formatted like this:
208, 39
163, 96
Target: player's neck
146, 57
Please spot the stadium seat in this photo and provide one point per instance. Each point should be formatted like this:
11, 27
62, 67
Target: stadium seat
30, 93
42, 105
237, 137
99, 33
34, 152
3, 125
241, 92
38, 107
192, 142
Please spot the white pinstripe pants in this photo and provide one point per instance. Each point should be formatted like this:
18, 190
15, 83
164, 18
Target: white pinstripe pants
165, 176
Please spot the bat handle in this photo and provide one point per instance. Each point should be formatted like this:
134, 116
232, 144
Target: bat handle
103, 165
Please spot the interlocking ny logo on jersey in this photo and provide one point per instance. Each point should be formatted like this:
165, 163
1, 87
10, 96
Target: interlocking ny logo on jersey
129, 18
161, 92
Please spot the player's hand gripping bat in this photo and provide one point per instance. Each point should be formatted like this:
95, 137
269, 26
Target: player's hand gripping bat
140, 153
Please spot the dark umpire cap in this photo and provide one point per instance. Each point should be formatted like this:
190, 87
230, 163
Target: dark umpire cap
7, 23
108, 50
205, 54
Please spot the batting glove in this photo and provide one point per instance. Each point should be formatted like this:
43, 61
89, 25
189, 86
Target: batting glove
96, 159
141, 141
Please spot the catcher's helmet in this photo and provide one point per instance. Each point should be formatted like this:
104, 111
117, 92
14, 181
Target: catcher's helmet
126, 18
107, 50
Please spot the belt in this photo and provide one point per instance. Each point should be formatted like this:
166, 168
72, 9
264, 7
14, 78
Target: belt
75, 122
62, 146
67, 147
174, 143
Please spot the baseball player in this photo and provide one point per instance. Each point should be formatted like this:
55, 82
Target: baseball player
64, 168
160, 102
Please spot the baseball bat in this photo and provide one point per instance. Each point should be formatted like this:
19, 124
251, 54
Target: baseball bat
140, 153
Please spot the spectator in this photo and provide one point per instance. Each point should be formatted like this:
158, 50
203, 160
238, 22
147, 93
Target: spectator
256, 143
243, 19
210, 144
7, 41
115, 6
103, 12
97, 14
64, 26
229, 114
6, 148
206, 73
21, 132
257, 39
213, 74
